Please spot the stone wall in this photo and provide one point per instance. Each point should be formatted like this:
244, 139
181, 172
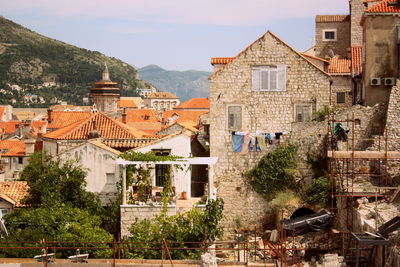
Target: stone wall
342, 43
264, 111
356, 11
129, 214
343, 84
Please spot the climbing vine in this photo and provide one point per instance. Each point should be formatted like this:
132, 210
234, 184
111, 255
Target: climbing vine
275, 172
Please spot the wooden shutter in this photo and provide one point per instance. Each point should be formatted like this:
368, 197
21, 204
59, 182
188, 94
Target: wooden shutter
282, 77
256, 79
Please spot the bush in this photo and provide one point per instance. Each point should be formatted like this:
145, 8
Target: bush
275, 172
317, 193
321, 114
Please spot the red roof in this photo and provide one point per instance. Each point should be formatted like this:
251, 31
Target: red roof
16, 190
38, 127
383, 7
60, 119
126, 103
195, 103
331, 18
12, 148
184, 115
339, 65
221, 60
10, 126
356, 60
107, 127
141, 115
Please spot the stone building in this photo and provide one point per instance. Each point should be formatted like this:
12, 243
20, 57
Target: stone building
161, 101
266, 88
381, 51
105, 94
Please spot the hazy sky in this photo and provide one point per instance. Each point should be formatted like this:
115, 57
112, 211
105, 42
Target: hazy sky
174, 34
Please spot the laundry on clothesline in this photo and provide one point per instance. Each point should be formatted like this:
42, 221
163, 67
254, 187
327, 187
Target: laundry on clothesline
245, 142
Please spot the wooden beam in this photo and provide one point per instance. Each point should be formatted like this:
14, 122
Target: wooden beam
364, 154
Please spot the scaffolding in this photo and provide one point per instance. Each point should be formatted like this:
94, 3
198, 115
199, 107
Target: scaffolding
357, 168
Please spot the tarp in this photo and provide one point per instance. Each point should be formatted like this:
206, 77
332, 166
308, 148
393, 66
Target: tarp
309, 223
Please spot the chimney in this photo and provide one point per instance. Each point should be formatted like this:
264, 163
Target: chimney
49, 112
124, 116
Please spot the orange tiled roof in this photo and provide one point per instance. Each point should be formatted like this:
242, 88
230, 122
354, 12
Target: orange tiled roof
184, 115
132, 143
60, 119
195, 103
221, 60
339, 65
331, 18
141, 115
38, 127
12, 148
314, 57
356, 60
107, 127
10, 126
16, 190
163, 95
383, 7
126, 103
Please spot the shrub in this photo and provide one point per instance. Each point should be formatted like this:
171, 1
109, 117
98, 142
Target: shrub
317, 193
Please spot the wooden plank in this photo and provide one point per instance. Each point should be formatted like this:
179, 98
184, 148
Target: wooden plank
364, 154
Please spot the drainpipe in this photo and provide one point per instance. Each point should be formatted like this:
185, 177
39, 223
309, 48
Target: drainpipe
124, 116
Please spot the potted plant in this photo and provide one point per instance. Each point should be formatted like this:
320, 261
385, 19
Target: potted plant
183, 195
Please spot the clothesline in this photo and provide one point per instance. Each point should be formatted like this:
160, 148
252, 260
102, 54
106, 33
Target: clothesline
244, 142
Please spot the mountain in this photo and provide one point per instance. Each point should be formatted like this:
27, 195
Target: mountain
34, 69
184, 84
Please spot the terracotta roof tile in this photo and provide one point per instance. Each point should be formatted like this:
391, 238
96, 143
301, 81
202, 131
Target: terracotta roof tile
141, 115
107, 127
12, 148
314, 57
332, 18
131, 143
195, 103
60, 119
384, 7
221, 60
10, 126
183, 115
16, 190
356, 60
38, 127
339, 65
165, 95
126, 103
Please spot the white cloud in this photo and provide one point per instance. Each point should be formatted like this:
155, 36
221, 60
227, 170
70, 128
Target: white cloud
201, 12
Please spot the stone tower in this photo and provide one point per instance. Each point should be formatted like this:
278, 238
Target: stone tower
105, 94
357, 8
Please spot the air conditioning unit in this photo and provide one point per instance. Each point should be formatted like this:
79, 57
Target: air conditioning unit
375, 81
390, 81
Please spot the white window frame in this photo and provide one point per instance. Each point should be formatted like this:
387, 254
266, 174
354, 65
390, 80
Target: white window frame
329, 40
260, 74
296, 106
234, 127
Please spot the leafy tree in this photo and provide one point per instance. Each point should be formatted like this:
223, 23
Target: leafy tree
275, 172
52, 180
318, 192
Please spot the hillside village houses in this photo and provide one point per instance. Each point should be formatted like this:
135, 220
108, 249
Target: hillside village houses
261, 95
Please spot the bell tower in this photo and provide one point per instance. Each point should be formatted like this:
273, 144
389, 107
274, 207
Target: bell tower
105, 94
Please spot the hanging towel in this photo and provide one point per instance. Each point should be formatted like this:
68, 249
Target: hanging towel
269, 139
237, 141
278, 135
252, 143
261, 143
245, 146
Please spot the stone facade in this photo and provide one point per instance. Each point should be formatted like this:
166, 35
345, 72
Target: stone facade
342, 84
129, 214
265, 111
356, 11
380, 56
340, 46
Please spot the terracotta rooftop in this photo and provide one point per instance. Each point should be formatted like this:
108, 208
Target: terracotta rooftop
38, 127
384, 7
1, 112
356, 60
141, 115
314, 57
16, 190
126, 103
221, 60
10, 126
184, 115
167, 95
107, 127
127, 144
61, 119
195, 103
339, 65
70, 108
332, 18
12, 148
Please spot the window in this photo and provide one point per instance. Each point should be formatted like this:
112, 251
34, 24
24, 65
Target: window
329, 35
341, 98
3, 212
303, 112
269, 78
110, 178
20, 160
235, 117
161, 169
